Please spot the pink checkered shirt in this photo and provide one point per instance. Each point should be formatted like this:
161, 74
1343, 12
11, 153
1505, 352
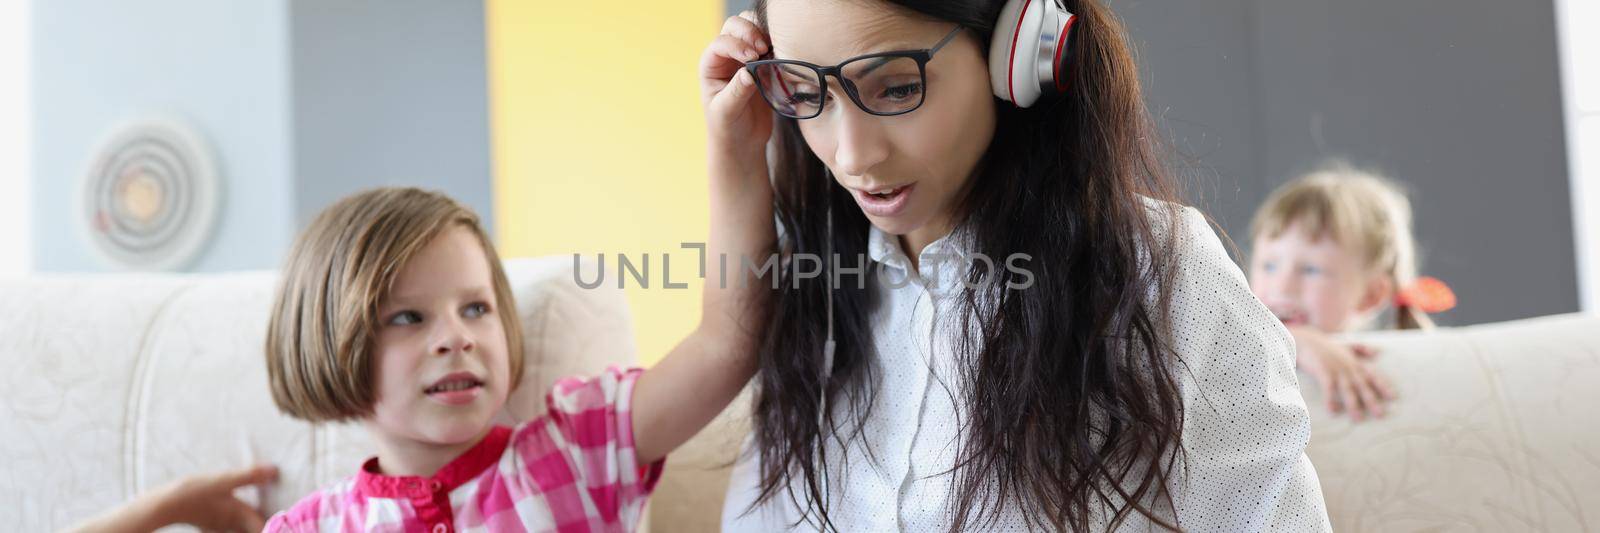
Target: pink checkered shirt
571, 470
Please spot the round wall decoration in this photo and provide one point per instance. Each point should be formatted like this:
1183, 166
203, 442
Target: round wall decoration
150, 195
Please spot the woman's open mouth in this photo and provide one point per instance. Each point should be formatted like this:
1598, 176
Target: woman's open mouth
884, 202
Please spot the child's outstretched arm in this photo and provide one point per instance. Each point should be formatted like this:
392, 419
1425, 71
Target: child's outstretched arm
697, 379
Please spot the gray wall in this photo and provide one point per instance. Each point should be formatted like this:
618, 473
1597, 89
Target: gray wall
302, 101
389, 93
1457, 100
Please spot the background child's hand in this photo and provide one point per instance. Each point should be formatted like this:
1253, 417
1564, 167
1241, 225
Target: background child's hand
1345, 372
738, 120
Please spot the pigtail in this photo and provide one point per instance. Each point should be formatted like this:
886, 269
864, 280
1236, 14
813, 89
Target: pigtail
1409, 317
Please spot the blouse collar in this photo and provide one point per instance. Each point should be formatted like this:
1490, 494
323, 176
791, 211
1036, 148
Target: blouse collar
463, 468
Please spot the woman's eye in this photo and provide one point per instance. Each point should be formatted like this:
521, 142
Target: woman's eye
902, 92
805, 98
1269, 266
405, 318
476, 310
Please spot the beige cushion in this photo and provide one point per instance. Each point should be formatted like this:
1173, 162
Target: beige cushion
1495, 429
118, 383
690, 493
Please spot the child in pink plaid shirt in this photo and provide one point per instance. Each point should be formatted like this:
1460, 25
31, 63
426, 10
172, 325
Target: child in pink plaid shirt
394, 312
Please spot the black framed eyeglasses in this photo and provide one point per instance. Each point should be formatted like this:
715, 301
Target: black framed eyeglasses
883, 83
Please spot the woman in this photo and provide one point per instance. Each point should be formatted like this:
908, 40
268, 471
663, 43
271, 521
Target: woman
1106, 366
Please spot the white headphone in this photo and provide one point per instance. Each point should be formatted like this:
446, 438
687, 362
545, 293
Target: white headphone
1027, 53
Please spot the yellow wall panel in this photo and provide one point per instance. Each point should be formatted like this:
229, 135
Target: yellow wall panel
598, 142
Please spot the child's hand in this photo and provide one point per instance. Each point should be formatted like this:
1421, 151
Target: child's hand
738, 120
1345, 373
205, 501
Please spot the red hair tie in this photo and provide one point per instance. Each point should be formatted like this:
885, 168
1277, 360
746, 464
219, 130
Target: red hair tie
1427, 294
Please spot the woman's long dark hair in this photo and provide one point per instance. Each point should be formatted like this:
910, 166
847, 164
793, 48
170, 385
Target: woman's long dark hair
1072, 406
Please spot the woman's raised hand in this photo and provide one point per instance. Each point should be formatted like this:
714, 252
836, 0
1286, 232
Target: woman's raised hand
681, 394
738, 121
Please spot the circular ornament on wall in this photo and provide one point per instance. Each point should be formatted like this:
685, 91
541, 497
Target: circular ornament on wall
150, 196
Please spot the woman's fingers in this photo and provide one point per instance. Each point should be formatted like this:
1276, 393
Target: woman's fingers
739, 123
740, 41
744, 28
734, 99
725, 56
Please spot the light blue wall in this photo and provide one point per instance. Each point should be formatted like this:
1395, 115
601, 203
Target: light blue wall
303, 102
222, 66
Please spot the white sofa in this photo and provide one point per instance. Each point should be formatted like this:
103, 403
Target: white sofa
1497, 428
114, 384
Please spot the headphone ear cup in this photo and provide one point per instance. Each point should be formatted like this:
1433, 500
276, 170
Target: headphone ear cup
1060, 65
1022, 66
1011, 72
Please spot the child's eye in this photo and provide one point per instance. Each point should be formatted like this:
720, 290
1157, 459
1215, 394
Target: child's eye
1310, 270
476, 310
405, 318
1269, 266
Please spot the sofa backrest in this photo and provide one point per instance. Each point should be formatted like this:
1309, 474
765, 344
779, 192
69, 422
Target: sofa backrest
118, 383
1497, 428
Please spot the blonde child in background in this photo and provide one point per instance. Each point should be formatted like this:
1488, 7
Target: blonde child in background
1332, 251
394, 312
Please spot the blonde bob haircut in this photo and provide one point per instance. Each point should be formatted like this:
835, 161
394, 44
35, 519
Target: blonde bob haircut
320, 338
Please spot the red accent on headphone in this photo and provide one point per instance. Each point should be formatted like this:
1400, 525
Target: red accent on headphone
1011, 61
1061, 47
